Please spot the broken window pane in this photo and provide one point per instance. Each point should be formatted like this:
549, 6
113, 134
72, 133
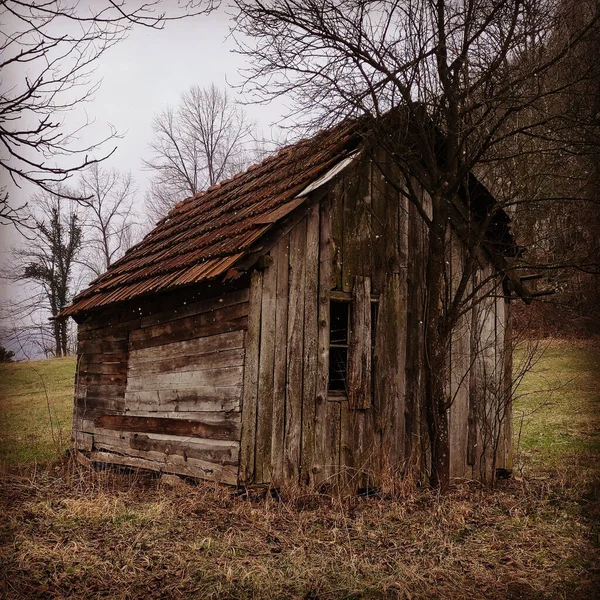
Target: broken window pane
339, 322
338, 367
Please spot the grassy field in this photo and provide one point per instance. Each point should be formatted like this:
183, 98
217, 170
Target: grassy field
70, 533
36, 410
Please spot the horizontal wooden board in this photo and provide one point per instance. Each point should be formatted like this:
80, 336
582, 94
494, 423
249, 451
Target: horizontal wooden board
197, 399
229, 376
102, 403
195, 308
101, 347
106, 368
89, 379
190, 332
230, 340
223, 429
190, 468
211, 451
182, 364
192, 324
118, 358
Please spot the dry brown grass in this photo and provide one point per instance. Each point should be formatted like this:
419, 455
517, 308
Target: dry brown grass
72, 533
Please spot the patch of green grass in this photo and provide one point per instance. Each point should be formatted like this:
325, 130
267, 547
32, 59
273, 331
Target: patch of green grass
36, 409
557, 410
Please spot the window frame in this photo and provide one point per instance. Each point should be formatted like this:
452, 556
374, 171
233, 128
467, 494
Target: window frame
346, 298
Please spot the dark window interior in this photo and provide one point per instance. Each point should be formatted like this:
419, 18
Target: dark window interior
339, 339
339, 334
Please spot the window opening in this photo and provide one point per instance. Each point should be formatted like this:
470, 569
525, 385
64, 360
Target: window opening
339, 335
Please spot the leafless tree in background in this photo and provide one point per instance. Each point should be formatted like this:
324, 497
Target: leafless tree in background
48, 54
202, 141
464, 73
49, 266
107, 198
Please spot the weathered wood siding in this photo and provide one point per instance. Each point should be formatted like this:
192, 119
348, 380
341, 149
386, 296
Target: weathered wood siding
360, 235
159, 385
234, 387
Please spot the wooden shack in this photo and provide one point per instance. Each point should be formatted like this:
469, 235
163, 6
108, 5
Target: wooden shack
268, 331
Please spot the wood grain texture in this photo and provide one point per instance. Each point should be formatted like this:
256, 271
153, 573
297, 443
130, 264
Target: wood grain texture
295, 332
250, 391
155, 462
327, 414
390, 370
264, 424
460, 366
359, 353
217, 426
310, 352
281, 255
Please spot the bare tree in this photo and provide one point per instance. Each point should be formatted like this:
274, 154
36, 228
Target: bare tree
49, 51
108, 219
195, 145
444, 84
49, 264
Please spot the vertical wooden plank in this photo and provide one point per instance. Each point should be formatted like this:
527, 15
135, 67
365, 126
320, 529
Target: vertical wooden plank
385, 221
327, 414
357, 249
359, 353
390, 355
336, 212
507, 385
295, 354
250, 391
264, 425
311, 332
281, 252
347, 476
459, 374
414, 438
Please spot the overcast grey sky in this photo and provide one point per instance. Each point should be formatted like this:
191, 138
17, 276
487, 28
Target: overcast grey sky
151, 69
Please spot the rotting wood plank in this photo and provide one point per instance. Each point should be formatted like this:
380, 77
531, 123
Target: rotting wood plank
186, 380
101, 347
414, 340
327, 414
109, 368
90, 379
281, 255
225, 428
357, 247
196, 399
390, 373
198, 469
359, 355
211, 451
459, 375
145, 337
231, 340
184, 334
295, 331
250, 390
310, 352
347, 475
264, 423
192, 415
220, 359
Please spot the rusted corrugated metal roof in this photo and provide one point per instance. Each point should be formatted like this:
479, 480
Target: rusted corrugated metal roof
204, 236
